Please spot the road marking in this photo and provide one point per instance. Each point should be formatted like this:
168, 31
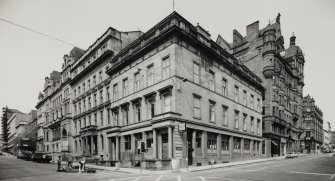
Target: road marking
138, 178
202, 178
332, 177
158, 178
307, 173
178, 177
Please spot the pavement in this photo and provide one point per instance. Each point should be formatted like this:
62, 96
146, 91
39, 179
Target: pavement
317, 167
189, 169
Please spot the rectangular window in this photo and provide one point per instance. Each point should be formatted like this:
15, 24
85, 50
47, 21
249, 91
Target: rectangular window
125, 115
95, 121
137, 82
108, 116
107, 93
84, 104
196, 107
224, 142
244, 122
150, 75
236, 94
245, 97
116, 118
196, 73
95, 99
211, 140
90, 120
75, 93
236, 119
252, 124
101, 118
89, 83
83, 87
166, 67
150, 140
246, 144
224, 87
225, 116
258, 126
137, 109
101, 97
258, 105
212, 111
237, 143
79, 106
127, 142
125, 87
252, 105
100, 76
94, 80
79, 90
167, 102
211, 80
151, 108
89, 102
115, 92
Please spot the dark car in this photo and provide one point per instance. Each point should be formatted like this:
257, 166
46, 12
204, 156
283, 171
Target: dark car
26, 155
41, 157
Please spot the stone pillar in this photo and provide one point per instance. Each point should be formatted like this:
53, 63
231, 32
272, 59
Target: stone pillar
92, 145
170, 142
154, 144
133, 144
231, 146
242, 147
194, 146
204, 147
252, 147
159, 146
86, 146
117, 150
219, 146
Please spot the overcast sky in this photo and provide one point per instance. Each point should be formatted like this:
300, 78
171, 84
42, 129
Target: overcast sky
26, 58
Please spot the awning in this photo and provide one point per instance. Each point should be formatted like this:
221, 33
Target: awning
274, 143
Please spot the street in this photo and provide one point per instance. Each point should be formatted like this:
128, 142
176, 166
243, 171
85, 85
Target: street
312, 167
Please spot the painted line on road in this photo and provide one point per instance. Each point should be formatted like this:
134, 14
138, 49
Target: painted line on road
138, 178
202, 178
308, 173
332, 177
178, 177
158, 178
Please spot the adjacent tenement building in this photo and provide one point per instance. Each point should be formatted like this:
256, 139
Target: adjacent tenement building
281, 71
312, 139
183, 96
91, 94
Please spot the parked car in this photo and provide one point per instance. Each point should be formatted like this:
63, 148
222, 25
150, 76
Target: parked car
40, 157
19, 155
291, 155
26, 155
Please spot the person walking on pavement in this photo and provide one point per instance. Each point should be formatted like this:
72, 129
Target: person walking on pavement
59, 163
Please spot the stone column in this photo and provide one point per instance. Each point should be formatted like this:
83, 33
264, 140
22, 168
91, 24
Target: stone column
242, 147
252, 147
231, 146
194, 156
92, 145
87, 146
117, 153
218, 146
170, 142
159, 146
154, 144
204, 147
133, 144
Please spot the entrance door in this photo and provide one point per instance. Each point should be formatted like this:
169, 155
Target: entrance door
165, 152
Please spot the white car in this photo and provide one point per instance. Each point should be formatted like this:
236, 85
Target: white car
291, 155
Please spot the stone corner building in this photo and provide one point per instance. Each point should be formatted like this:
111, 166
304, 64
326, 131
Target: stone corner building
281, 71
312, 138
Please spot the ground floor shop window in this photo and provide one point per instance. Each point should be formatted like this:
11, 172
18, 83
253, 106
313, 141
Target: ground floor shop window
127, 142
211, 140
246, 144
237, 143
224, 142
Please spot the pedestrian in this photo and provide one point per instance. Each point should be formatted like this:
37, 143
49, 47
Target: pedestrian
69, 163
59, 163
